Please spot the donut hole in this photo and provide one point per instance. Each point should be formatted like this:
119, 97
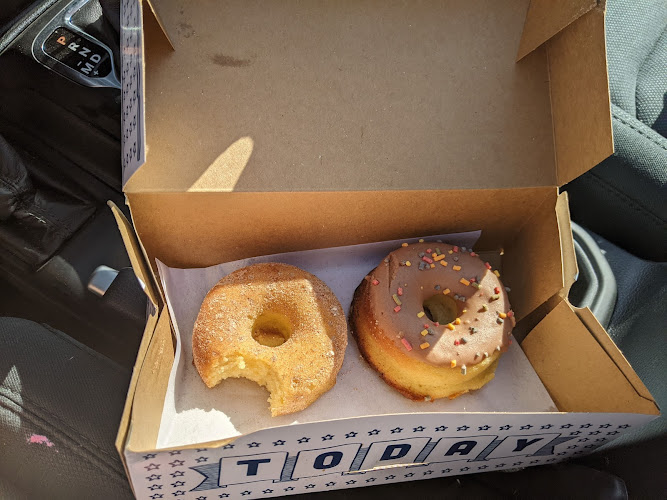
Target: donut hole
441, 309
271, 329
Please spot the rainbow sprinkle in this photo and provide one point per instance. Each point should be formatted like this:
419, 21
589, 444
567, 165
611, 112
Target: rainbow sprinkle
396, 299
424, 345
397, 308
420, 314
404, 244
464, 281
446, 291
456, 268
406, 343
452, 363
424, 333
408, 263
450, 326
496, 273
375, 282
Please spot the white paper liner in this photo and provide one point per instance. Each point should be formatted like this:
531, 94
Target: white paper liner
194, 414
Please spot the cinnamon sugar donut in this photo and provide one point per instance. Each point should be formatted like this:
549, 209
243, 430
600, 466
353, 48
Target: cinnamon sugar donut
274, 324
433, 320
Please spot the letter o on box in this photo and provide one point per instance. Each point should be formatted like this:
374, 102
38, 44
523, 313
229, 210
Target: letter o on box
335, 459
328, 459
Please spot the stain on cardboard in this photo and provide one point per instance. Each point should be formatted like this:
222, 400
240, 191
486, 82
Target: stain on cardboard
185, 30
229, 61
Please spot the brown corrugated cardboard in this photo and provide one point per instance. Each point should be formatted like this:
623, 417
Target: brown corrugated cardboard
150, 388
580, 106
544, 20
345, 126
273, 127
566, 356
311, 99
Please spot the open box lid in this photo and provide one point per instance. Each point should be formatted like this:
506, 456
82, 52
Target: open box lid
363, 96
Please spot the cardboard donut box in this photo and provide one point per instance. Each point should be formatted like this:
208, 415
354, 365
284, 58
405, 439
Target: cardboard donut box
253, 128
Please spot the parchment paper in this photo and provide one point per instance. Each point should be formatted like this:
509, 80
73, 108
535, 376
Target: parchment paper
195, 414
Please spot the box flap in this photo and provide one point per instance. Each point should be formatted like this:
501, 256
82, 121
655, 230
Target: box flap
580, 102
612, 350
124, 426
545, 18
536, 247
566, 354
151, 387
421, 96
158, 19
344, 96
132, 78
136, 255
568, 255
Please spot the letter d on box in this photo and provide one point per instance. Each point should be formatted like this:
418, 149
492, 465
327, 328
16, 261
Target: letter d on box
400, 451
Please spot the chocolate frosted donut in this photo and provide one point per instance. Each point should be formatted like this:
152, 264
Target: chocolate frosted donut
433, 320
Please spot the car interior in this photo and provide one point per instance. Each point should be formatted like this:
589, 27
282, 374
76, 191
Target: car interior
67, 288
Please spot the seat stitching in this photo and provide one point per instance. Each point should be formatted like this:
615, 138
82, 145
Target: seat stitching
628, 201
30, 401
111, 472
85, 350
634, 127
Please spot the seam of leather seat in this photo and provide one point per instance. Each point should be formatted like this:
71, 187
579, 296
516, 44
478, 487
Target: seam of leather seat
38, 421
632, 204
86, 350
639, 130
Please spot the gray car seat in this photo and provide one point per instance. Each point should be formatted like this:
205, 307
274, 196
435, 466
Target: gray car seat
624, 198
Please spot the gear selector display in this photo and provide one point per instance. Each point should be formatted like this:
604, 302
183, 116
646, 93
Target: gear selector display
78, 53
